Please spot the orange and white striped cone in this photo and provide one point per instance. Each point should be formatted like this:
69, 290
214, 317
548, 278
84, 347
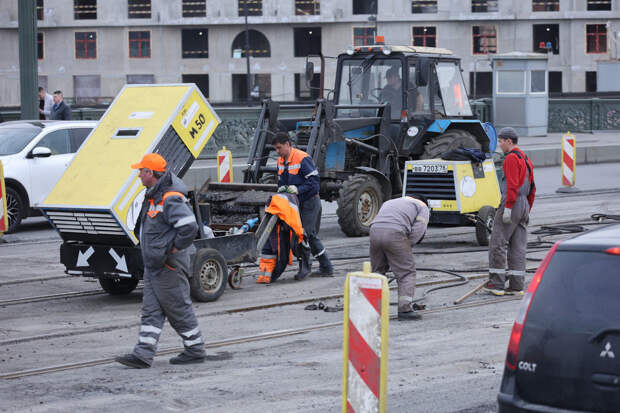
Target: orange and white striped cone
224, 165
569, 163
4, 216
366, 321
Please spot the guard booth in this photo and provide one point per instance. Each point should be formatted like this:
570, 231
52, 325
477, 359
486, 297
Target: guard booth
520, 92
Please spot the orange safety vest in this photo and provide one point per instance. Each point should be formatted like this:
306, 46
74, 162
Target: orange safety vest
156, 209
294, 162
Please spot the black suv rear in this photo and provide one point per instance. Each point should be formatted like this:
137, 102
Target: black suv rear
564, 350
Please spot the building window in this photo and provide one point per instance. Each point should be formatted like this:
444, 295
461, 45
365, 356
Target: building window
546, 38
140, 44
591, 82
84, 9
40, 10
555, 82
538, 79
40, 48
510, 81
85, 45
596, 38
260, 84
303, 91
363, 36
483, 6
307, 7
484, 39
139, 9
483, 84
545, 5
87, 88
425, 36
424, 6
194, 8
307, 41
599, 4
140, 79
259, 45
251, 7
202, 81
195, 43
365, 6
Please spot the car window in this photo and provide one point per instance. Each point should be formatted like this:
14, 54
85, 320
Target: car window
578, 292
77, 137
57, 142
13, 140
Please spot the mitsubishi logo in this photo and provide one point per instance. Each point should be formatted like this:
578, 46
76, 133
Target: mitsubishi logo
607, 351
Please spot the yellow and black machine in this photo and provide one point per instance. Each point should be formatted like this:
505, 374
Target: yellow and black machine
458, 192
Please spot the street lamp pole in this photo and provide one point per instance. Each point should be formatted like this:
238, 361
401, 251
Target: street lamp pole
247, 53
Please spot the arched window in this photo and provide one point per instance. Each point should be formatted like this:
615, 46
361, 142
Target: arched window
259, 45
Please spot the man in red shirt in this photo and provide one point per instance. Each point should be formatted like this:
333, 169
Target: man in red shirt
509, 235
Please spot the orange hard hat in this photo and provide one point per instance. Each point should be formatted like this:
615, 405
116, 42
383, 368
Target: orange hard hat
152, 161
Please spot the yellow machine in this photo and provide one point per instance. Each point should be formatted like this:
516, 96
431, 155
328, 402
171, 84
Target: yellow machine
458, 192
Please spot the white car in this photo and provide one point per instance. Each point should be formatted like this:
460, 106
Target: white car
34, 155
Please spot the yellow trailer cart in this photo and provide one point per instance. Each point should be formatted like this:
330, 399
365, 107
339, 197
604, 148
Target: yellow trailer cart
458, 192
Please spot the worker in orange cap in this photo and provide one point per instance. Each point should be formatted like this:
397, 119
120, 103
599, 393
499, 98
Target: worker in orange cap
166, 227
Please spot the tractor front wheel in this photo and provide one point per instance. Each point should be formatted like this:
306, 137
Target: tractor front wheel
358, 204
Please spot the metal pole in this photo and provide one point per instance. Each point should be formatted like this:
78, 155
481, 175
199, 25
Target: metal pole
247, 53
475, 77
28, 81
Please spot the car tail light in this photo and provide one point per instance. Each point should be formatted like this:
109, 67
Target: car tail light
613, 251
517, 328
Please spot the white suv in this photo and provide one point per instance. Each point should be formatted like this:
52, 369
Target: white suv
34, 155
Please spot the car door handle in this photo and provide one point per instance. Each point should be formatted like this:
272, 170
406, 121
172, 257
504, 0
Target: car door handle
607, 380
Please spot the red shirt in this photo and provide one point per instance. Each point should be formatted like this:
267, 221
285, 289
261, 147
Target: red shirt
514, 172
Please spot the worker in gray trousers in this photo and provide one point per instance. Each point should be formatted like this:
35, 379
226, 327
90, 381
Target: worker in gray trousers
166, 227
509, 234
399, 224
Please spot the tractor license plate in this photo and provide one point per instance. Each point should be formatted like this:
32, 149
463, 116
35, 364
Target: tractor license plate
430, 169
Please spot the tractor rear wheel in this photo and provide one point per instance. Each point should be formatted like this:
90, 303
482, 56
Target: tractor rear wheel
450, 140
358, 204
484, 225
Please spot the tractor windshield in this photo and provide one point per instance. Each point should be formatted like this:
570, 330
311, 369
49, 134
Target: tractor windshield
453, 92
370, 81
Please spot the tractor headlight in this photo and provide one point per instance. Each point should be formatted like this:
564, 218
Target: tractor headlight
387, 50
350, 50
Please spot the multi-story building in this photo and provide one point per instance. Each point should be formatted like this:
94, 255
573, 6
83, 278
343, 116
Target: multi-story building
90, 48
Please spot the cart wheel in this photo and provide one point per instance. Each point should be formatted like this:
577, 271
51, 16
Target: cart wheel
234, 278
209, 278
484, 225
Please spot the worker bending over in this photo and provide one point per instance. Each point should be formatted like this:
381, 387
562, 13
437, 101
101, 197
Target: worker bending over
511, 218
400, 224
298, 175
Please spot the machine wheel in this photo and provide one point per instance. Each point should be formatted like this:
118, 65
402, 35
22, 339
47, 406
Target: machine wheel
450, 140
235, 277
118, 286
358, 204
484, 224
210, 272
15, 208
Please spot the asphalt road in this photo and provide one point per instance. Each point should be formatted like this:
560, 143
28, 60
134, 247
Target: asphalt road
451, 361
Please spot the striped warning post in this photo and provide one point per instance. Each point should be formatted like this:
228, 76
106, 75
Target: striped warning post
224, 165
569, 159
366, 318
4, 216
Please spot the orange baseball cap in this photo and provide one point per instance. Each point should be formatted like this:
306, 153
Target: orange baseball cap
152, 161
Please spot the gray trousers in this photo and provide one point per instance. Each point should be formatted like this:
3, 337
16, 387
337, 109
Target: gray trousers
310, 214
166, 294
390, 249
509, 243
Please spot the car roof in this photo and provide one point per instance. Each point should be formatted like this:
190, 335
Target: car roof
598, 239
47, 123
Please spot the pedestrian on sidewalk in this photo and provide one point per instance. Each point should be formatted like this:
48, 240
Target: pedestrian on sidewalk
60, 110
298, 175
46, 102
509, 234
166, 227
399, 224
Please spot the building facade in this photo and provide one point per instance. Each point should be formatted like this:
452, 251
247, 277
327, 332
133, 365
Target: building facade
89, 49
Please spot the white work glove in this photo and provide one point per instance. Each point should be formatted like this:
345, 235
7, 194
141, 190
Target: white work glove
283, 188
506, 217
292, 189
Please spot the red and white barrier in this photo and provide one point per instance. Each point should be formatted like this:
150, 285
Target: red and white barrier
366, 318
569, 159
224, 165
4, 216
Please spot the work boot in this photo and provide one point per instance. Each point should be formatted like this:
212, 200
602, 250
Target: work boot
493, 289
325, 266
304, 270
512, 291
409, 315
263, 279
132, 361
184, 358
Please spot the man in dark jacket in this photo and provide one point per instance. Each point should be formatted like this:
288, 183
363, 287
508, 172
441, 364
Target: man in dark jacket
166, 228
60, 110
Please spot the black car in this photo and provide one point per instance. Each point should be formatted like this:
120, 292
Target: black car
564, 350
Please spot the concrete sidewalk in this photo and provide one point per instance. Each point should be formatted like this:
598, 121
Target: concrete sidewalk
592, 148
